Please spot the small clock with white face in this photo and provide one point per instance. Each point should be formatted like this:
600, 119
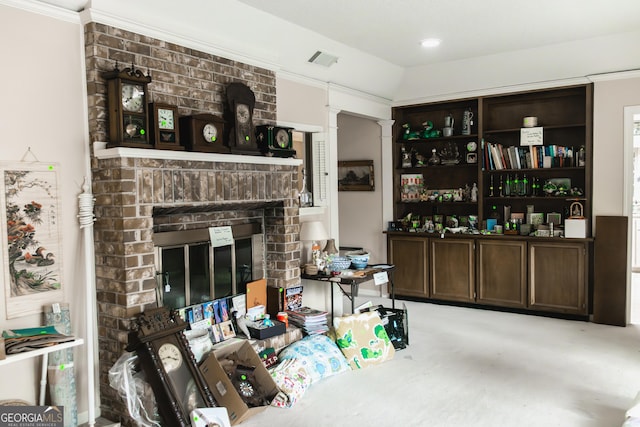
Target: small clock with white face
166, 119
166, 134
210, 132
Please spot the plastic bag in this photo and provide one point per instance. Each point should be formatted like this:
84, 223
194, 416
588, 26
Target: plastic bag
135, 392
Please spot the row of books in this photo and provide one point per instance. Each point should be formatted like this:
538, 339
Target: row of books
497, 157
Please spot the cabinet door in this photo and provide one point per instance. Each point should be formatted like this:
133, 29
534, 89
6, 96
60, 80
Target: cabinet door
558, 277
452, 269
409, 255
502, 273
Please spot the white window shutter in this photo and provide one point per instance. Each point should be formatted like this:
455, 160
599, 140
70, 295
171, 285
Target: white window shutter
320, 171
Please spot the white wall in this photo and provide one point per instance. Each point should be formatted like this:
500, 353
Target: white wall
610, 97
44, 108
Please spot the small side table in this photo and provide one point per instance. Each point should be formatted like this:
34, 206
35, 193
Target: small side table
44, 352
353, 281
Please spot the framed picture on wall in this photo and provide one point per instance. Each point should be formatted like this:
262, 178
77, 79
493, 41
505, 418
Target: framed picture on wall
32, 248
355, 175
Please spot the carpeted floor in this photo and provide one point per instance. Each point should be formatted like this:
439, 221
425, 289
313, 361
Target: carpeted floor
471, 367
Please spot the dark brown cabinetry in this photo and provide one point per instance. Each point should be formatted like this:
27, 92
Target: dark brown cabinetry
544, 174
452, 269
502, 272
409, 255
557, 277
534, 274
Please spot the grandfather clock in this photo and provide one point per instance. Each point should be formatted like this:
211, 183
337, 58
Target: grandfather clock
169, 365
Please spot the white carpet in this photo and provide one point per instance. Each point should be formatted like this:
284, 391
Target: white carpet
472, 367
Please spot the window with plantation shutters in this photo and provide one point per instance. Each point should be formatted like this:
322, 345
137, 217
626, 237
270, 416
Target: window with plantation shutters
319, 169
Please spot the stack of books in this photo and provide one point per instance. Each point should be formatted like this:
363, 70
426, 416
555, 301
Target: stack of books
310, 320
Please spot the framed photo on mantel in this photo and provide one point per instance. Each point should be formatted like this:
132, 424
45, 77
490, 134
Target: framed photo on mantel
355, 175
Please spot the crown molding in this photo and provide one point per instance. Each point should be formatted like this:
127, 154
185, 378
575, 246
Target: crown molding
44, 9
618, 75
494, 91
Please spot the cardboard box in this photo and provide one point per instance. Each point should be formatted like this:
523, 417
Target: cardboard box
279, 342
278, 328
575, 228
221, 387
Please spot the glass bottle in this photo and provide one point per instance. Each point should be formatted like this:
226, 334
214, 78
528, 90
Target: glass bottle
306, 199
516, 186
491, 186
434, 159
525, 186
507, 186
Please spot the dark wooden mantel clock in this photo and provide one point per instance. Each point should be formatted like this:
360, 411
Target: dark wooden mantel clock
128, 109
169, 365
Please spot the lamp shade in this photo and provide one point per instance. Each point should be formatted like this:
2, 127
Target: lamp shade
313, 230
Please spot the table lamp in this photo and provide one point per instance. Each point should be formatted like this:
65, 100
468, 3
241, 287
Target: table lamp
313, 231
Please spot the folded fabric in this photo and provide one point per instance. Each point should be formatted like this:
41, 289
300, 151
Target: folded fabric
28, 339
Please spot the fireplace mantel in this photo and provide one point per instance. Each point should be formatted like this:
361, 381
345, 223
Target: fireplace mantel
101, 151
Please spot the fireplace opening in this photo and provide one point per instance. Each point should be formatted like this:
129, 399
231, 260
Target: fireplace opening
189, 270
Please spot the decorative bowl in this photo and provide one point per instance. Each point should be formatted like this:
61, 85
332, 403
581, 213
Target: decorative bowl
359, 259
339, 263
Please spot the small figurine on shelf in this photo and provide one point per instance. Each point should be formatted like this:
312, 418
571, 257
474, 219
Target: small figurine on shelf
408, 134
406, 157
474, 193
450, 154
428, 131
434, 160
421, 161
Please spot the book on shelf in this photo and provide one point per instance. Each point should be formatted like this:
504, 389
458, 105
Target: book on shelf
498, 157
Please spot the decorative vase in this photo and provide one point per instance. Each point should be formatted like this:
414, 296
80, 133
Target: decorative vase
330, 247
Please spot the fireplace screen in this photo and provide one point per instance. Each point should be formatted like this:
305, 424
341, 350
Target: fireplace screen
191, 271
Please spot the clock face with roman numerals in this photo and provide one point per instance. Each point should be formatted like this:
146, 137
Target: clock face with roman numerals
133, 98
170, 357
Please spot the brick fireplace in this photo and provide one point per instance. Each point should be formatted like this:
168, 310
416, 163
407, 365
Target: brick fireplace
142, 191
137, 195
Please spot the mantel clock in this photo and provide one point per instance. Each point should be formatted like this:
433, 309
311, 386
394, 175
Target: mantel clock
169, 365
127, 103
165, 133
203, 132
240, 103
275, 141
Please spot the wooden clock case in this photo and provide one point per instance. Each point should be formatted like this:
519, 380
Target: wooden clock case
127, 127
152, 330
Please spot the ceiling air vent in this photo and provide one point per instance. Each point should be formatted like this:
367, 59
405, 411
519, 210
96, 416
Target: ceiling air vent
323, 59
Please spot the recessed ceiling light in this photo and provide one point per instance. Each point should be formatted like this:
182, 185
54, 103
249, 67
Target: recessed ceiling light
430, 42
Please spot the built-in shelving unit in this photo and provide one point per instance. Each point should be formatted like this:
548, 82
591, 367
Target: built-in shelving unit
545, 173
